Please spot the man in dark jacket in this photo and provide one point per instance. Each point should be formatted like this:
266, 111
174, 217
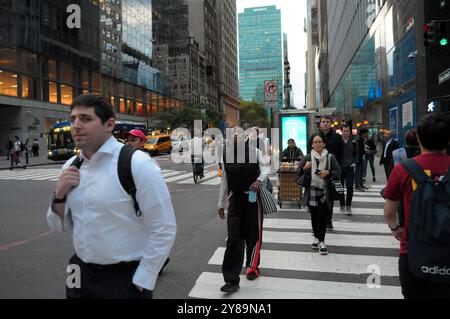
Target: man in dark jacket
359, 170
349, 161
334, 145
386, 157
292, 153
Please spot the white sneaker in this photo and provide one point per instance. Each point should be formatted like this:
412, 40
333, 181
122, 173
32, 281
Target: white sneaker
323, 250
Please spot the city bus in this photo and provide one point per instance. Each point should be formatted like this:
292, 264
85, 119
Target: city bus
61, 145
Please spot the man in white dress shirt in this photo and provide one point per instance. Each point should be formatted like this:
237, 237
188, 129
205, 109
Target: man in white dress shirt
118, 252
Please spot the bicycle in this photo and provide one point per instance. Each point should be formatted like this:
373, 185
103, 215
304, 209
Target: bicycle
197, 169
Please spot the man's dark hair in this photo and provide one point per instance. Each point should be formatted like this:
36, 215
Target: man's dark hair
346, 126
291, 140
411, 138
326, 117
433, 131
363, 130
103, 109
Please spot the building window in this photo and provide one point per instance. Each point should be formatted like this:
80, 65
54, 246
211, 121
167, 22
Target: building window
8, 83
8, 58
29, 62
52, 92
29, 87
66, 94
66, 73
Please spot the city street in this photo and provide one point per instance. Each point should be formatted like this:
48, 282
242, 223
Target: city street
33, 259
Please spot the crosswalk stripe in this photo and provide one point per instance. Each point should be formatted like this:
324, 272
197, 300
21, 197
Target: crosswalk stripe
214, 181
380, 187
336, 210
313, 261
35, 175
207, 176
179, 177
373, 241
207, 286
305, 224
47, 177
169, 174
24, 173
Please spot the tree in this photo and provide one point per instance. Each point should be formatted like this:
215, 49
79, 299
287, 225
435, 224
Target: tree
186, 116
253, 114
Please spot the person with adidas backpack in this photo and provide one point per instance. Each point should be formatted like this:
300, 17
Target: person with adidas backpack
116, 203
423, 183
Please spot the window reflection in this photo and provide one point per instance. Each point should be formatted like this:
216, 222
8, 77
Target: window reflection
53, 92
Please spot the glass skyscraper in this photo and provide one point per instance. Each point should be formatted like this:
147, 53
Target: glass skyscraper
260, 52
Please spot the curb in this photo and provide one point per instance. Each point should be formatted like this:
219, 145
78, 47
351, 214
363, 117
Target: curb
32, 165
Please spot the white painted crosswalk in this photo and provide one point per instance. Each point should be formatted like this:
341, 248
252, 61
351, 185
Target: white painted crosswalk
52, 174
292, 270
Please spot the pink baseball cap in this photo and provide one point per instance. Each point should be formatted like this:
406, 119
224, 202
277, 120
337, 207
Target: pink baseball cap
138, 133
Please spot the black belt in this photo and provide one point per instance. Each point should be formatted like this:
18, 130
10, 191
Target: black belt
121, 265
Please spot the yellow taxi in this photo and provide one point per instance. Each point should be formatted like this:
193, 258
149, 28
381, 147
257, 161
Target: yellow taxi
157, 144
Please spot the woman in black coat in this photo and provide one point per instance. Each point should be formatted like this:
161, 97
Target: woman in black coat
322, 166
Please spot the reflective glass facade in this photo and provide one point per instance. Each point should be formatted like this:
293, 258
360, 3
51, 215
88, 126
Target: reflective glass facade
260, 52
379, 84
59, 64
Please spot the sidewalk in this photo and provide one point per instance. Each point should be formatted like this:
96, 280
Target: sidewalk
32, 161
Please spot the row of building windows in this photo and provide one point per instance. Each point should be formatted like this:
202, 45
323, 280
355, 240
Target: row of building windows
58, 82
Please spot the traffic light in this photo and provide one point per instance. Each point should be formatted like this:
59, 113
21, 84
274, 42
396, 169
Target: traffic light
430, 33
442, 34
436, 34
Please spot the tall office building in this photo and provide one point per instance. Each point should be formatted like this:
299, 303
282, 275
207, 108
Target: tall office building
228, 60
287, 73
45, 64
260, 52
185, 38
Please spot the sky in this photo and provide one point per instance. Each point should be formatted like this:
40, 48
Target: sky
293, 14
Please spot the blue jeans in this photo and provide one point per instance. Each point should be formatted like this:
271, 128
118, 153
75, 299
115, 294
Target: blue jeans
370, 159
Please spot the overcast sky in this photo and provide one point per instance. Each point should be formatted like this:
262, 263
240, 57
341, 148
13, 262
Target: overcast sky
293, 14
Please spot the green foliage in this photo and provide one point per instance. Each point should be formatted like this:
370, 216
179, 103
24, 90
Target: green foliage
254, 114
186, 116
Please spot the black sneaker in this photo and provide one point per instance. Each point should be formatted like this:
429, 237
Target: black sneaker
374, 179
252, 275
323, 250
229, 287
365, 188
330, 226
348, 209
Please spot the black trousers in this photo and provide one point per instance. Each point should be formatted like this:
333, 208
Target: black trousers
388, 167
244, 223
347, 179
319, 218
417, 288
111, 282
359, 175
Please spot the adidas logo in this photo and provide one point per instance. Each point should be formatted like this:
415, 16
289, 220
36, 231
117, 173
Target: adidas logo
436, 270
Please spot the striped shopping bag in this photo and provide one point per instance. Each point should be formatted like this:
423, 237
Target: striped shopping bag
267, 201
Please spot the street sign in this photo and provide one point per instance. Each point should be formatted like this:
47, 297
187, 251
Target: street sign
270, 91
444, 76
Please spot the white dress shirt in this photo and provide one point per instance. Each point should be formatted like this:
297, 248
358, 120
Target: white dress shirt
264, 170
101, 214
386, 147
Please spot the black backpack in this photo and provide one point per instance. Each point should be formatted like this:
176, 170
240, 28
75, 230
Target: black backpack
429, 225
124, 172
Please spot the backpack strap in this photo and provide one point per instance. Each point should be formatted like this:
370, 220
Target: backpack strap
415, 171
126, 176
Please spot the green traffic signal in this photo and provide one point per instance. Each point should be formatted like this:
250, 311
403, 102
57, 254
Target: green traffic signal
444, 42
